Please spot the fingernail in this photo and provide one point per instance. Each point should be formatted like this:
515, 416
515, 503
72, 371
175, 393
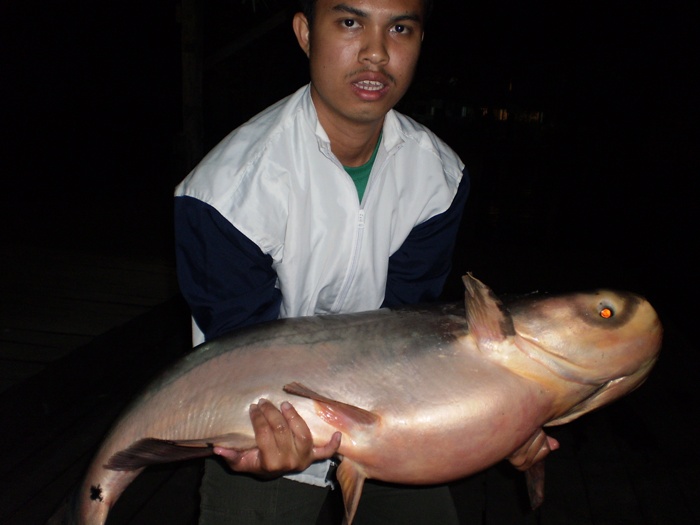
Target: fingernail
286, 405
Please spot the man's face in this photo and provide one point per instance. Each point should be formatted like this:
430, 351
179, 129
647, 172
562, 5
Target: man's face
362, 56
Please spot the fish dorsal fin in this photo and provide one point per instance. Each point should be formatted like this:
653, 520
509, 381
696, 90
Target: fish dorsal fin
340, 415
351, 479
488, 319
151, 451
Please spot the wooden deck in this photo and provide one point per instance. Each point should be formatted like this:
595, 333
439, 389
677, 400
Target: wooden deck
56, 300
83, 332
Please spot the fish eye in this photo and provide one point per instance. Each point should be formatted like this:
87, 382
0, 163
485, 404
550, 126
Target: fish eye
606, 313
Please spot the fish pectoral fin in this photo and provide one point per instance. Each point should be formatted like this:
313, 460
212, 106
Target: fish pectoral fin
151, 451
351, 479
534, 477
340, 415
530, 458
233, 441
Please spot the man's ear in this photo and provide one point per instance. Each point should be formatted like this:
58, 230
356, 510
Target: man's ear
301, 29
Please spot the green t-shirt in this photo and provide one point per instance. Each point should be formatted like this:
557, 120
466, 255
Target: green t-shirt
360, 174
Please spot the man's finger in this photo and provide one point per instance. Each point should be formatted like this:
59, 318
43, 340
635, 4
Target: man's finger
329, 449
297, 425
230, 455
270, 427
246, 461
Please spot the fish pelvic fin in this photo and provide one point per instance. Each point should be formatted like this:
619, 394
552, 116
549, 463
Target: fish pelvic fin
351, 479
487, 317
340, 415
151, 451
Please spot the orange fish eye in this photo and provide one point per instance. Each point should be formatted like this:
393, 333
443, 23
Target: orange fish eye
606, 313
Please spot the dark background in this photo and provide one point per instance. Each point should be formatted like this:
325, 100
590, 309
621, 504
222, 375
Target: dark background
591, 181
600, 191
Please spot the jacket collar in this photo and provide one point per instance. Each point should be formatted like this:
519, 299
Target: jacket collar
392, 132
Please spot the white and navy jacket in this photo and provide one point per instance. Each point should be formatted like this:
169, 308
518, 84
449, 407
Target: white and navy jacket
269, 224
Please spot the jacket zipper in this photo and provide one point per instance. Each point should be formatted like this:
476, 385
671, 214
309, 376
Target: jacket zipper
350, 276
380, 164
359, 232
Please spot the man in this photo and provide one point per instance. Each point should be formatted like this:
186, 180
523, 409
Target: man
327, 202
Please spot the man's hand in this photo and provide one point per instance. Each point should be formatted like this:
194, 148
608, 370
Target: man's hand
284, 443
534, 450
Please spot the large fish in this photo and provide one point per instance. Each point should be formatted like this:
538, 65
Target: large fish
421, 395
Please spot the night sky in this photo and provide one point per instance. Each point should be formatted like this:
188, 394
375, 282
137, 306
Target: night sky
91, 128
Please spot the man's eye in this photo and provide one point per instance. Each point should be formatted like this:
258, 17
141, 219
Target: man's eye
349, 23
401, 29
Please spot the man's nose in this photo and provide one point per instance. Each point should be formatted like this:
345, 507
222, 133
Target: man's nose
374, 49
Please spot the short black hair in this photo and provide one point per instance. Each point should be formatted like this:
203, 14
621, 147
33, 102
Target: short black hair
309, 6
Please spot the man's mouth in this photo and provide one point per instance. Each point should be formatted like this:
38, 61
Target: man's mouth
369, 85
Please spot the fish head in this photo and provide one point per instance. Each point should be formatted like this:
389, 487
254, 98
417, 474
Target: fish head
602, 343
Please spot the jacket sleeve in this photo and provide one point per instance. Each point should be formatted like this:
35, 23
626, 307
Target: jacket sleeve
418, 269
225, 278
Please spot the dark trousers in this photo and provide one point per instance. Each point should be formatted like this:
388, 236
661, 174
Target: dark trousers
243, 500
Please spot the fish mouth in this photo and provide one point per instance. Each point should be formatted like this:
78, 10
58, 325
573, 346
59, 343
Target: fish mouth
605, 393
